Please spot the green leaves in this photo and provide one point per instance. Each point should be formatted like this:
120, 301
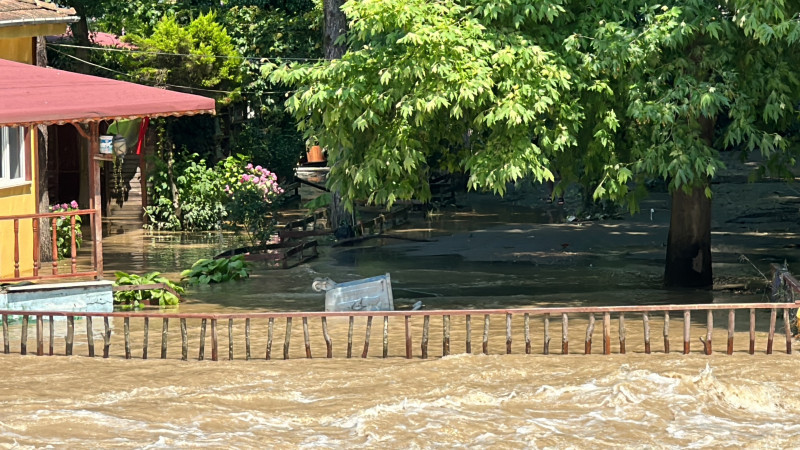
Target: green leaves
135, 299
220, 270
605, 94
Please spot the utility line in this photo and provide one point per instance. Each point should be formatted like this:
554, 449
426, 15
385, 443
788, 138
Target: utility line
145, 52
130, 77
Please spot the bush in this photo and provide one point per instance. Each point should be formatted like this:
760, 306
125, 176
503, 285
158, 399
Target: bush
252, 198
135, 299
206, 271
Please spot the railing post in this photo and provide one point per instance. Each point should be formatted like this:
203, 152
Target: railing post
306, 337
184, 341
164, 337
145, 338
752, 350
408, 338
731, 329
508, 333
468, 326
385, 336
73, 245
106, 337
527, 327
366, 337
546, 343
36, 251
70, 334
687, 315
350, 337
54, 243
16, 248
445, 335
39, 335
90, 335
771, 336
23, 345
787, 329
587, 350
564, 334
426, 323
328, 342
6, 348
127, 332
710, 329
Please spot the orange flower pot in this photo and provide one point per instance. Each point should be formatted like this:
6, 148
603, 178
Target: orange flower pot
314, 154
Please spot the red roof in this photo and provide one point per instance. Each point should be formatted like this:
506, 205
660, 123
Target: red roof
38, 95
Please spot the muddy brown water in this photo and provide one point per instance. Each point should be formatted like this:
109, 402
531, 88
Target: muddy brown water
497, 401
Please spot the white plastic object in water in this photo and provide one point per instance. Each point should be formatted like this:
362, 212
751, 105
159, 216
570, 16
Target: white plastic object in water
369, 294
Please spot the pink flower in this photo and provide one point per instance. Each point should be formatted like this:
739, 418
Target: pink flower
74, 204
249, 166
64, 206
258, 168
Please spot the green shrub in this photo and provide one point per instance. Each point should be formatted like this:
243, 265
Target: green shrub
135, 299
206, 271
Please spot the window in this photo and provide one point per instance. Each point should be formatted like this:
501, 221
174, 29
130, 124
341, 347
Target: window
12, 155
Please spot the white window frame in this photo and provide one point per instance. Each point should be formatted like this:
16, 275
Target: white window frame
5, 153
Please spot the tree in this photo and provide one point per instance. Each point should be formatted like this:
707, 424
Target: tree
610, 95
334, 47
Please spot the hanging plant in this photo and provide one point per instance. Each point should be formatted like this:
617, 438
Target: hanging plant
119, 187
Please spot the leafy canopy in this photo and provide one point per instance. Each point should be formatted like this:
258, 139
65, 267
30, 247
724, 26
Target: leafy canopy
605, 93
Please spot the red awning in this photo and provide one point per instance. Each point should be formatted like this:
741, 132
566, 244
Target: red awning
37, 95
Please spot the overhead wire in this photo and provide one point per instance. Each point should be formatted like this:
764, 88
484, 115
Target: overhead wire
139, 80
146, 52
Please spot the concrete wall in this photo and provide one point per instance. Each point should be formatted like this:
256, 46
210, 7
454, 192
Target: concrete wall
89, 296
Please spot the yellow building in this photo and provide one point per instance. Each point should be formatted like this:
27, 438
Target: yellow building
21, 22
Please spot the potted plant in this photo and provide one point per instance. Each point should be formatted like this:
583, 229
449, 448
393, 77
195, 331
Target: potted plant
314, 152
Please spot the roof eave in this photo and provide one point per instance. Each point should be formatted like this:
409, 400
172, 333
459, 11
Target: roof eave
38, 21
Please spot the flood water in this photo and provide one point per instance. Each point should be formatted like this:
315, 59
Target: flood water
464, 400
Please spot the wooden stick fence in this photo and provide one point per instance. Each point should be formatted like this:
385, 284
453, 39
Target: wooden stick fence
404, 320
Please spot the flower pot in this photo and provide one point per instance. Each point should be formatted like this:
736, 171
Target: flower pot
314, 154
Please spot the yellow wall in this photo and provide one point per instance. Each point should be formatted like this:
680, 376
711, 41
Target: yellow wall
18, 199
17, 49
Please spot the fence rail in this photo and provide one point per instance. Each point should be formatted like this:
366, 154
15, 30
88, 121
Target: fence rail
38, 270
267, 327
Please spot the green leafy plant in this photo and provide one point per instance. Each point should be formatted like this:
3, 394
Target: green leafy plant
64, 229
137, 298
220, 270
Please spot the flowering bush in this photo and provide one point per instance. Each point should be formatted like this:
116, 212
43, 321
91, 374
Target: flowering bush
252, 198
64, 228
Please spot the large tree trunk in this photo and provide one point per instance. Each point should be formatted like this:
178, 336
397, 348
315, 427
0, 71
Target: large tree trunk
335, 26
341, 221
45, 236
689, 244
80, 33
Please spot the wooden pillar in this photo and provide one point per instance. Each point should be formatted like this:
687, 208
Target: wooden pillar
95, 199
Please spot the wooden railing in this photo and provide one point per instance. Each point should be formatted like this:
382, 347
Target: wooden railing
33, 254
407, 330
